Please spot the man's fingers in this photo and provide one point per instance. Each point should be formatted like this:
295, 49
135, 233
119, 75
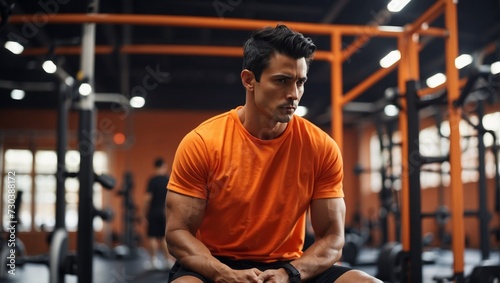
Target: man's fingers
257, 271
263, 276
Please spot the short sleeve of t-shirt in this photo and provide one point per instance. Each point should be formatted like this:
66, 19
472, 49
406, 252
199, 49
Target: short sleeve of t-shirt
190, 167
330, 176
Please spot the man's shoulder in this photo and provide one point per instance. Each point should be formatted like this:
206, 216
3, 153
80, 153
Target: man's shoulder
308, 127
213, 126
317, 137
208, 130
215, 120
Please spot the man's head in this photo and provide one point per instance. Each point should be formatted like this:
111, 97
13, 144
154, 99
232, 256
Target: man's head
268, 41
159, 163
275, 66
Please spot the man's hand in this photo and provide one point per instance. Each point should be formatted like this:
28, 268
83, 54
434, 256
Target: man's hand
236, 276
274, 276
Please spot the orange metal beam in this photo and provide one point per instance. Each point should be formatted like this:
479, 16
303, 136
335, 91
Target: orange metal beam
403, 75
456, 187
427, 91
368, 82
427, 17
487, 50
354, 47
490, 48
205, 22
360, 41
336, 85
225, 51
66, 50
379, 74
437, 32
413, 50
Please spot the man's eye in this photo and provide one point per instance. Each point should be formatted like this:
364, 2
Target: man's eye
281, 81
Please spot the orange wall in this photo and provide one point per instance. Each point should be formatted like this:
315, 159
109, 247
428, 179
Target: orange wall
351, 181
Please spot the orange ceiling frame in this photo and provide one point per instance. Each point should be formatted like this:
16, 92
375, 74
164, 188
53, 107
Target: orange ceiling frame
408, 67
365, 33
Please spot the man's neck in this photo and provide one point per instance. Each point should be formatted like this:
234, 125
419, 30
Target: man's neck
259, 126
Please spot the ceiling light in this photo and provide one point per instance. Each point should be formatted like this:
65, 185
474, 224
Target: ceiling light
301, 111
495, 68
397, 5
390, 59
137, 101
436, 80
49, 67
69, 80
17, 94
390, 93
85, 89
463, 60
391, 110
14, 47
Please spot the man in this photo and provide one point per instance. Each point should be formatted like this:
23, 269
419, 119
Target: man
154, 213
243, 181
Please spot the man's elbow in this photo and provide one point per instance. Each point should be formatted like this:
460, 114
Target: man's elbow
172, 244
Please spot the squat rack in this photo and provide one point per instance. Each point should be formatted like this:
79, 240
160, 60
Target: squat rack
408, 45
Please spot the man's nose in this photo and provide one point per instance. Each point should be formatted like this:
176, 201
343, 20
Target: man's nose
293, 92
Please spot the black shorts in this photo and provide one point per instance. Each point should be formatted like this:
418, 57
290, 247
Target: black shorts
330, 275
156, 225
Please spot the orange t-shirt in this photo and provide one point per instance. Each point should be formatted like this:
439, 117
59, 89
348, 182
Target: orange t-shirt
257, 191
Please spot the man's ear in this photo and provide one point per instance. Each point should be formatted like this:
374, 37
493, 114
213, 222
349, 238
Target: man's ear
247, 79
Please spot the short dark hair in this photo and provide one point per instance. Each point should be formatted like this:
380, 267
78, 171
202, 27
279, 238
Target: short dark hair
264, 42
159, 162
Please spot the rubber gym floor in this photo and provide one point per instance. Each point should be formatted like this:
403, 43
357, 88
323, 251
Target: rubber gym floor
132, 270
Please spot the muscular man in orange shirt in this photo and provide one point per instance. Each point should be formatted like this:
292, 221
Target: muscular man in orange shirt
243, 181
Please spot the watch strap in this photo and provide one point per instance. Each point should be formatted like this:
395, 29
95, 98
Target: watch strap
293, 273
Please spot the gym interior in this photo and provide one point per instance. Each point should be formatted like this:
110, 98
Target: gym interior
91, 92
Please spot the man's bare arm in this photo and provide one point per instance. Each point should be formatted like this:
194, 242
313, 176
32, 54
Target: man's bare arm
327, 219
184, 217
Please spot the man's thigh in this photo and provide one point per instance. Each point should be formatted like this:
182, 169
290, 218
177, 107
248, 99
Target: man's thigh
356, 276
187, 279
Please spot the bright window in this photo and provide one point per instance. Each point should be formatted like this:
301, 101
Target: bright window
19, 161
380, 158
491, 122
433, 144
36, 176
45, 189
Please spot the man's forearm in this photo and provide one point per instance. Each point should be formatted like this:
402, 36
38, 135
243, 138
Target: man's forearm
320, 256
193, 254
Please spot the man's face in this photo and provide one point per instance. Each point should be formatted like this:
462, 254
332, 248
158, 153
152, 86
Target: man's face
281, 86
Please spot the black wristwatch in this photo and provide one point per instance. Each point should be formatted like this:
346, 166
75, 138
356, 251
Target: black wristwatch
293, 273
